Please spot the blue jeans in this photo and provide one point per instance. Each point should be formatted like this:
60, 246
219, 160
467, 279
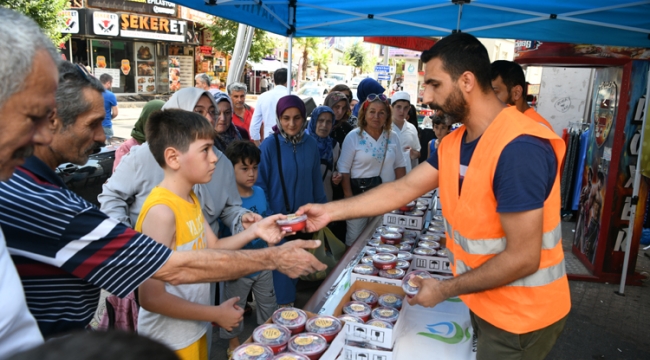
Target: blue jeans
108, 132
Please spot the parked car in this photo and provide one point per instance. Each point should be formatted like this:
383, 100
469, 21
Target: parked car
317, 93
356, 80
330, 83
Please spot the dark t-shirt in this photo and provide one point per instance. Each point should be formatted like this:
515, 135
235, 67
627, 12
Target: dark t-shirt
524, 175
340, 132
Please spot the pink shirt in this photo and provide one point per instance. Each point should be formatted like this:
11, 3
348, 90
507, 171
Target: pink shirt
124, 149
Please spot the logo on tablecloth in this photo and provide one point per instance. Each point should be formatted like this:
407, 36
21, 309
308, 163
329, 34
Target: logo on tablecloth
449, 332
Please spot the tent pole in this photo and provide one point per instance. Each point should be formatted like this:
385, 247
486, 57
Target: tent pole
635, 196
290, 69
460, 13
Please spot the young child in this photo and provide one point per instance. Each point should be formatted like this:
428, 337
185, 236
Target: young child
441, 129
245, 157
179, 315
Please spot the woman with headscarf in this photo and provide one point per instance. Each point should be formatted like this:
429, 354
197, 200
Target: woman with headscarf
366, 87
137, 134
320, 126
227, 132
339, 102
290, 175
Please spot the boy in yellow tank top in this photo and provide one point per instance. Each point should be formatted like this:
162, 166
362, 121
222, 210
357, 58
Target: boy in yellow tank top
179, 315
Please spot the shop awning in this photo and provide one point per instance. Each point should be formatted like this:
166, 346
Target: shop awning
267, 65
606, 22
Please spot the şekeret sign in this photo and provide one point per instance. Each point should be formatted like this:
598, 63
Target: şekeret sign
152, 27
139, 6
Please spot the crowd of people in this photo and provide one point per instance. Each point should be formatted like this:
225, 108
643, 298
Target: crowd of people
196, 193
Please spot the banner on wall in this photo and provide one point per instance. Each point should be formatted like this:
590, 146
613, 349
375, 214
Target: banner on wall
607, 84
411, 76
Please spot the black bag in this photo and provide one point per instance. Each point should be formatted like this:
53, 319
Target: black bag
361, 185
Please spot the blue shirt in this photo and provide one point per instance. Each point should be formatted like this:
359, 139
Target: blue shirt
524, 175
109, 101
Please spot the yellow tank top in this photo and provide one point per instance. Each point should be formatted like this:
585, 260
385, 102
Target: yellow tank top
190, 234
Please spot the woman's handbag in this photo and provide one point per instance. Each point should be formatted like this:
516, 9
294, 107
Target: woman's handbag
361, 185
329, 252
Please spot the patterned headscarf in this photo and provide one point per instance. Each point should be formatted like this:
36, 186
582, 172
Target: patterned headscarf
231, 134
326, 144
287, 102
333, 98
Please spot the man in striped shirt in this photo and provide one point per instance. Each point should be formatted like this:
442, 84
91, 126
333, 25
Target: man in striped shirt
65, 249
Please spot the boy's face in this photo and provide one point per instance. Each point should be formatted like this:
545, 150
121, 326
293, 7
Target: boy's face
199, 161
440, 130
246, 173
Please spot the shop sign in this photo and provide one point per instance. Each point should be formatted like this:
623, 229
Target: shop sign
106, 24
152, 27
531, 49
138, 6
205, 50
526, 45
71, 21
196, 16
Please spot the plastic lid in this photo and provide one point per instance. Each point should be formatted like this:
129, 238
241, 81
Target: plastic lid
427, 195
408, 286
364, 269
409, 241
357, 308
397, 229
414, 213
252, 352
391, 300
392, 273
411, 233
384, 248
271, 334
366, 296
290, 356
384, 258
374, 242
350, 318
442, 252
405, 247
396, 212
380, 230
402, 264
308, 344
289, 317
324, 325
429, 237
429, 244
380, 323
389, 314
391, 235
370, 250
292, 219
421, 207
367, 260
404, 255
424, 251
437, 218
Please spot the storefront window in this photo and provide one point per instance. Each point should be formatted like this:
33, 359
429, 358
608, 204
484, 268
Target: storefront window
116, 58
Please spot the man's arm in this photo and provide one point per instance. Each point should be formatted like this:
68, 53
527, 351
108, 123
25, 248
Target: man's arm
256, 123
380, 200
113, 112
266, 229
520, 258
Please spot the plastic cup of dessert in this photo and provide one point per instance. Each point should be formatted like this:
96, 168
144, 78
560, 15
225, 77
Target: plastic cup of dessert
308, 344
370, 250
380, 323
418, 213
384, 261
325, 325
272, 335
364, 269
404, 255
252, 351
424, 251
429, 237
367, 296
290, 356
386, 249
391, 300
402, 264
408, 207
293, 223
405, 247
395, 274
397, 229
367, 260
409, 287
429, 244
391, 238
293, 319
350, 318
358, 309
388, 314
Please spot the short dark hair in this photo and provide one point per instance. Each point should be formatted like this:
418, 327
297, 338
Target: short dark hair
243, 151
511, 74
70, 98
462, 52
341, 88
175, 128
280, 76
105, 78
99, 345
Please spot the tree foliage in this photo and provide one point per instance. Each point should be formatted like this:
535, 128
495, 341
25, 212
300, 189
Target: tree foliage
45, 13
224, 35
307, 44
321, 59
355, 56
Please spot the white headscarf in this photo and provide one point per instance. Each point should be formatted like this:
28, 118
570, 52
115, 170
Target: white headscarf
186, 99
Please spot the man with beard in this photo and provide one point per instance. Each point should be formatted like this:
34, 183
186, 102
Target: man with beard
501, 209
26, 103
66, 250
509, 84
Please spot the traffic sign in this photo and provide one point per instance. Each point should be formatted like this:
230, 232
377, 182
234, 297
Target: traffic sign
385, 77
382, 68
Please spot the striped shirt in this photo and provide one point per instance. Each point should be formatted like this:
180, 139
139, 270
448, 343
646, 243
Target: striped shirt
66, 250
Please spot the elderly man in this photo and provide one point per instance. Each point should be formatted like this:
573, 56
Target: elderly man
243, 113
66, 247
26, 103
202, 81
500, 190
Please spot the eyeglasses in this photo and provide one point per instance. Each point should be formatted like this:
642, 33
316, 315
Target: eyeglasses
84, 72
373, 97
212, 113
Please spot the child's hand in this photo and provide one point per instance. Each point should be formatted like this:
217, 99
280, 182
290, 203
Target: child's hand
336, 178
268, 230
229, 315
249, 219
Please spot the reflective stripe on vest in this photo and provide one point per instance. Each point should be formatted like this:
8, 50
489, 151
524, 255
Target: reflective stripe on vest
494, 246
541, 277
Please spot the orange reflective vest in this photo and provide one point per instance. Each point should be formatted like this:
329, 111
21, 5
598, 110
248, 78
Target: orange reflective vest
531, 113
475, 235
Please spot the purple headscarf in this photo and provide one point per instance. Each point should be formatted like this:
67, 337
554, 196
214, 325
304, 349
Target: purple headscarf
287, 102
